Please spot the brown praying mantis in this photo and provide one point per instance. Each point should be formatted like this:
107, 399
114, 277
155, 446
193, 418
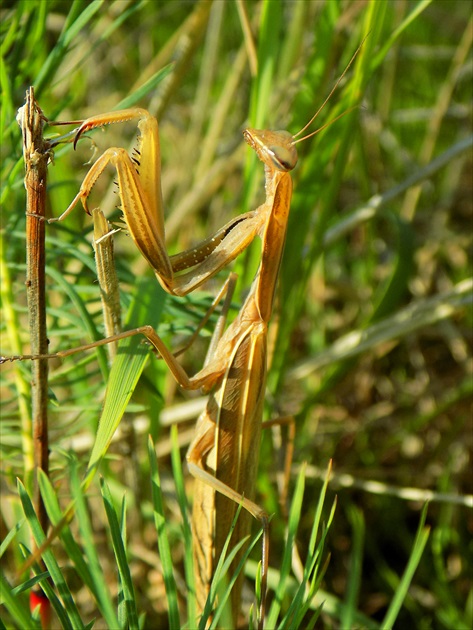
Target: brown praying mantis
223, 456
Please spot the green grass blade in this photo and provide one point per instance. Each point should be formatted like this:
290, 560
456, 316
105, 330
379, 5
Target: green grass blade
184, 508
127, 367
388, 44
262, 85
10, 537
55, 515
133, 99
70, 609
394, 290
75, 21
17, 606
355, 572
294, 517
313, 570
163, 541
124, 588
72, 293
224, 586
221, 585
98, 587
128, 594
420, 542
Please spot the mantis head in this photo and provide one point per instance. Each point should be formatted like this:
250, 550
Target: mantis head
274, 148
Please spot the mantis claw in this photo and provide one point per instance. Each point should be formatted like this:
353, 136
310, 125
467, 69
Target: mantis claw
77, 137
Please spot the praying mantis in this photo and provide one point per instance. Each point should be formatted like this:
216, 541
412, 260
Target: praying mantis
223, 456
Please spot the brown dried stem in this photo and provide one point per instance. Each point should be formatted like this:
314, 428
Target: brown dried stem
36, 153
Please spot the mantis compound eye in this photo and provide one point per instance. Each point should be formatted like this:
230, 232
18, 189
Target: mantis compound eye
275, 148
283, 158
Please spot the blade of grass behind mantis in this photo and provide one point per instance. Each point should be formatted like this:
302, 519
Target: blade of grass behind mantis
126, 369
387, 45
267, 51
262, 86
310, 196
135, 97
75, 21
306, 193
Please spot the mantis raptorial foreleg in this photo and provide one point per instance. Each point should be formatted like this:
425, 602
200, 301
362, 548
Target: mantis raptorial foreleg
139, 187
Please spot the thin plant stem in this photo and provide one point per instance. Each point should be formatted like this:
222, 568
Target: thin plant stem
36, 153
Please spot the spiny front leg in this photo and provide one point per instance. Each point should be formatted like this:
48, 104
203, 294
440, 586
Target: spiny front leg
139, 187
141, 220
